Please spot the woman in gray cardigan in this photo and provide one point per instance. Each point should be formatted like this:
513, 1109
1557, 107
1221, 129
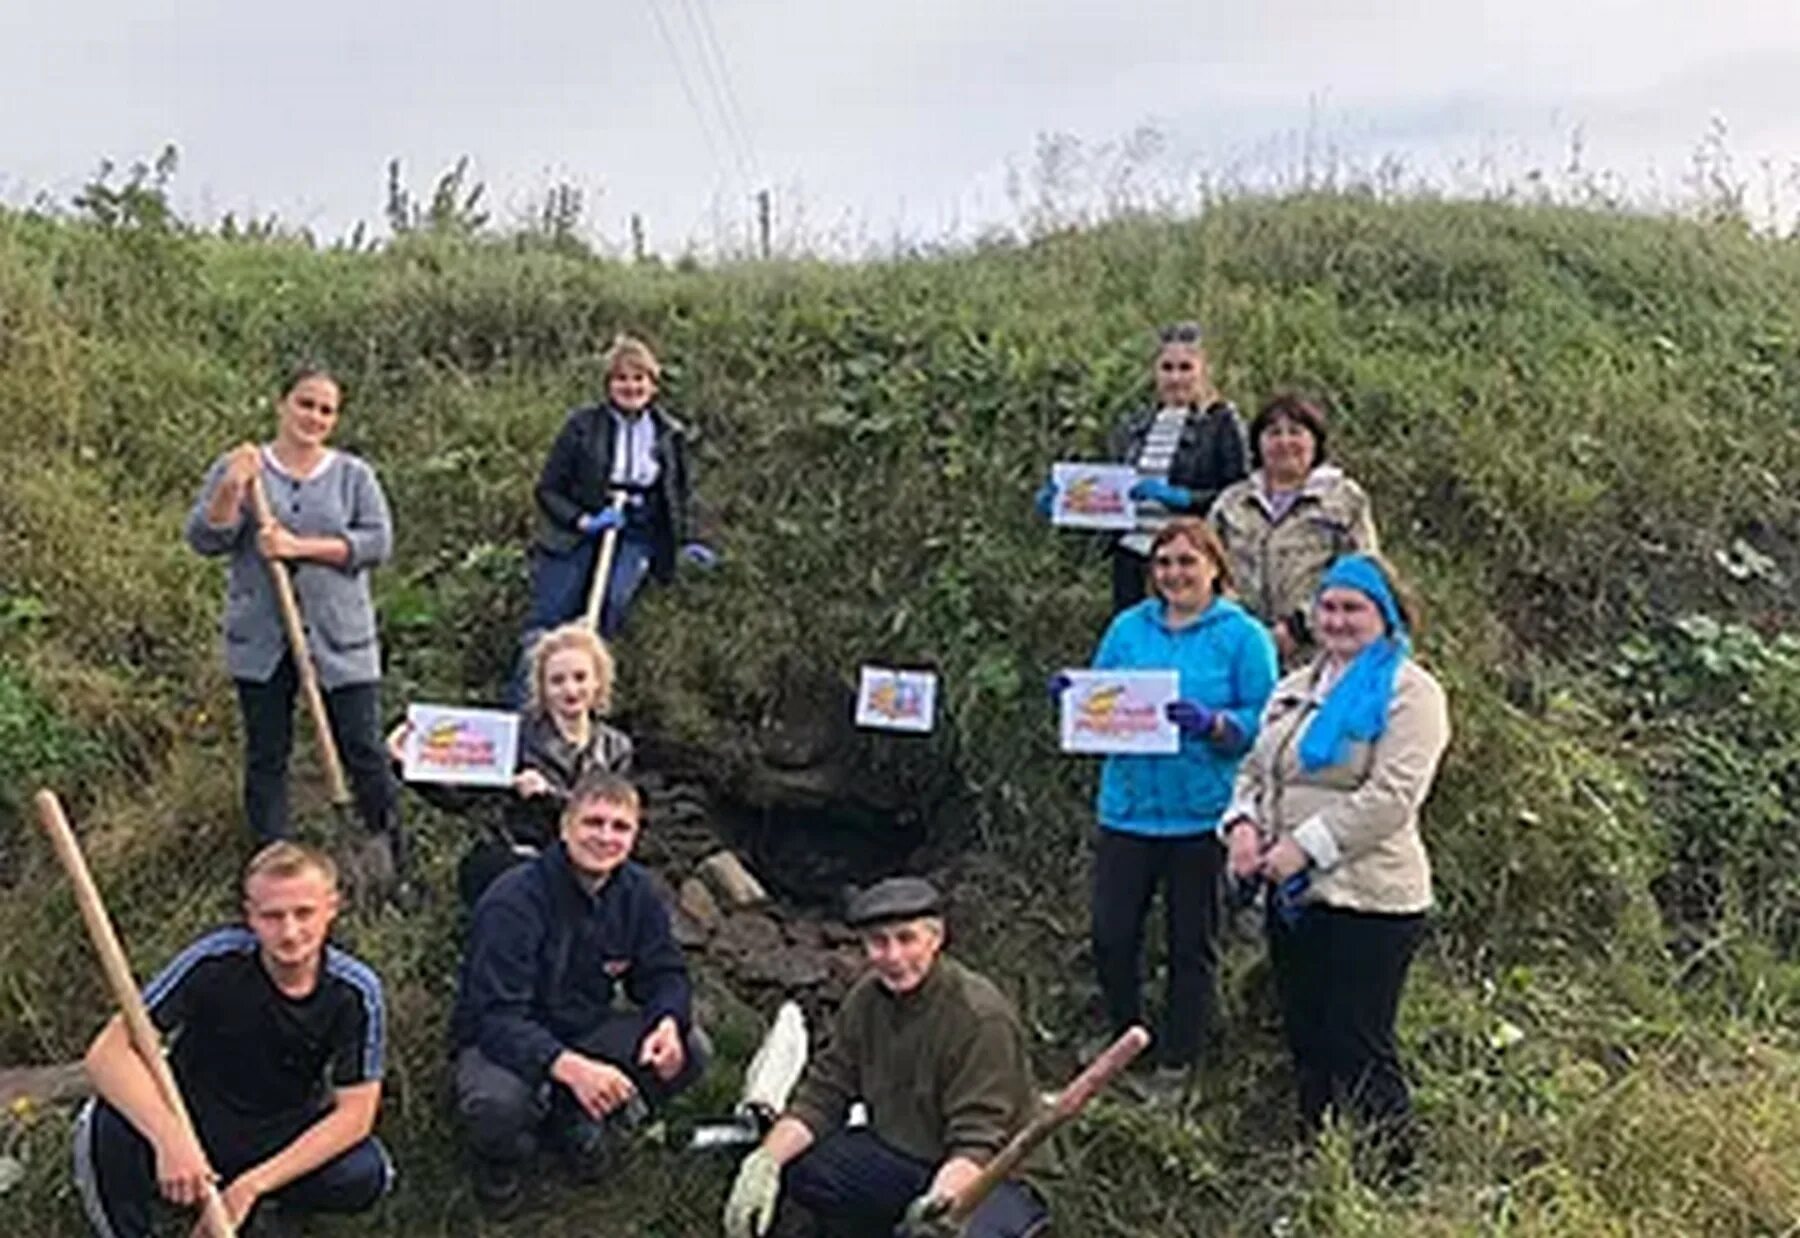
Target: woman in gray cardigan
331, 525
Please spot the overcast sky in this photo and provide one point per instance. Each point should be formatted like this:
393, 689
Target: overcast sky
869, 118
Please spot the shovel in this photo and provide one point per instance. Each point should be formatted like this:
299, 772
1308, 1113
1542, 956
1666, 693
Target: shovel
774, 1070
609, 545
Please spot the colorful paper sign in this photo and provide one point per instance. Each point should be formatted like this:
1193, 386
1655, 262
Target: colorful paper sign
1093, 496
1119, 711
464, 747
894, 700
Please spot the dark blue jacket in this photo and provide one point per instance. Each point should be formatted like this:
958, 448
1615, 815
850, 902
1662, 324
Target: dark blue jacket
545, 960
575, 481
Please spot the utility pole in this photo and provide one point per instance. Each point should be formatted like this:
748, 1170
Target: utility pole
762, 221
637, 237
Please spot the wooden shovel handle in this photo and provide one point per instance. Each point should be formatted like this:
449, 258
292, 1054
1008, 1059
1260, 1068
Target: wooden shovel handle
609, 545
289, 604
124, 989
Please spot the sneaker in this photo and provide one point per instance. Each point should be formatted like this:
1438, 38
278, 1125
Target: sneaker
499, 1189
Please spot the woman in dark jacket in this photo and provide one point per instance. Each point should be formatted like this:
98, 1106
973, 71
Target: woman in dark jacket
1186, 451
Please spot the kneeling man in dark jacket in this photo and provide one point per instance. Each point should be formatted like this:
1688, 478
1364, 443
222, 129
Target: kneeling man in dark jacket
540, 1047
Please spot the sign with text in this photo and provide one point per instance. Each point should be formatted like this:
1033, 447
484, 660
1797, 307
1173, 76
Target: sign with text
1093, 496
894, 700
464, 747
1119, 711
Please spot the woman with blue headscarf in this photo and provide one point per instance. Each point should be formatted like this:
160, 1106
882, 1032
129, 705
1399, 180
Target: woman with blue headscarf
1326, 811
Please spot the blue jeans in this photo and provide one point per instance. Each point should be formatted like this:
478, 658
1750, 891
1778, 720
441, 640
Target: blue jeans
559, 592
858, 1187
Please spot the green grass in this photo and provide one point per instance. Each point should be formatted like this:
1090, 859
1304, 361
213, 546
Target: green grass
1574, 425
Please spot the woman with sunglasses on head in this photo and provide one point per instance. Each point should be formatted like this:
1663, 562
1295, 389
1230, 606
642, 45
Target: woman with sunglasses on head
1326, 811
1285, 523
1186, 450
1159, 814
329, 526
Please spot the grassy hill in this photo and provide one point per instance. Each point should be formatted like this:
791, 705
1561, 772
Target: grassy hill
1579, 431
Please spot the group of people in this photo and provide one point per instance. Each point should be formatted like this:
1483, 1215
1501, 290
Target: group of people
1309, 739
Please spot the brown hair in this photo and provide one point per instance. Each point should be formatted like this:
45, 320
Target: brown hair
283, 859
578, 636
603, 784
1291, 406
1206, 541
629, 350
301, 373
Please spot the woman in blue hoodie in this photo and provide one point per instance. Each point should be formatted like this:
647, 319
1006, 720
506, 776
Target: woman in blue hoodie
1158, 814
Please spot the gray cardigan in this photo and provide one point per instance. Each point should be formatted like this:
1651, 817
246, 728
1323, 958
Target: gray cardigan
342, 499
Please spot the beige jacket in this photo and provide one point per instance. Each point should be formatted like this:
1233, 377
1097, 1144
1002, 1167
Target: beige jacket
1358, 820
1278, 563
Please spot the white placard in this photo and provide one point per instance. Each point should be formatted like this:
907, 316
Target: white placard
464, 747
1093, 496
1120, 711
894, 700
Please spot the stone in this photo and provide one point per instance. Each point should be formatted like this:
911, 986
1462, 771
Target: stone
688, 933
735, 885
698, 904
787, 969
745, 934
806, 933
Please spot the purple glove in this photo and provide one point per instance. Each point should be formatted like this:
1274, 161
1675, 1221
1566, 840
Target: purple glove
595, 523
1191, 716
1056, 685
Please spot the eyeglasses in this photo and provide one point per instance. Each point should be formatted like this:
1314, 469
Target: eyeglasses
1179, 333
1168, 561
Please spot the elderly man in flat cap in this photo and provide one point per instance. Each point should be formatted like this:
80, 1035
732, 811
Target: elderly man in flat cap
937, 1056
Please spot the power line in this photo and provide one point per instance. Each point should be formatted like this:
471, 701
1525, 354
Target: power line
687, 87
707, 40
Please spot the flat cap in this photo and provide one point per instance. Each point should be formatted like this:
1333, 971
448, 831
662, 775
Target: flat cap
897, 898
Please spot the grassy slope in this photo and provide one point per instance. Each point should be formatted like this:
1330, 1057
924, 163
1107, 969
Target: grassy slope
1565, 419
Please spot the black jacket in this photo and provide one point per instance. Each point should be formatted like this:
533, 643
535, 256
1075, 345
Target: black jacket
545, 959
1213, 452
576, 479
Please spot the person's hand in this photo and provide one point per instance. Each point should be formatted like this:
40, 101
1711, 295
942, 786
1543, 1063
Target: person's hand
599, 1088
1283, 860
275, 542
1191, 716
243, 464
750, 1209
1285, 644
182, 1171
700, 555
530, 784
1243, 849
1044, 501
396, 741
1156, 490
1056, 685
593, 524
662, 1050
239, 1198
928, 1216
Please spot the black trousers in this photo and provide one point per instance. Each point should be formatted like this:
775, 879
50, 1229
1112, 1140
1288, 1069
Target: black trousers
1129, 578
115, 1167
1128, 869
1339, 974
856, 1186
354, 711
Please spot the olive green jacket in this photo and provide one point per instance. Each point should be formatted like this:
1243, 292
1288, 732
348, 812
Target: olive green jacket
942, 1069
1279, 562
1358, 820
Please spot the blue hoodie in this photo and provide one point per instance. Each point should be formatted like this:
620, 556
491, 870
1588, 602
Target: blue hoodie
1226, 660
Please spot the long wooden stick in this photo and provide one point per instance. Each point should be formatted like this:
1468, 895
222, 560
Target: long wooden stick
1069, 1102
124, 989
609, 545
289, 605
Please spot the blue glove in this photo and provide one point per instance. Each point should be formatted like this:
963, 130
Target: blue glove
1056, 685
1045, 499
700, 555
1155, 490
1191, 716
595, 523
1288, 895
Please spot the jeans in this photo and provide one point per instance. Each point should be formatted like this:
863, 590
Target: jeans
354, 714
1129, 572
858, 1187
115, 1166
559, 592
1339, 974
503, 1116
1128, 868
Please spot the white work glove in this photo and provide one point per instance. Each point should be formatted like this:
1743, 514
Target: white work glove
750, 1209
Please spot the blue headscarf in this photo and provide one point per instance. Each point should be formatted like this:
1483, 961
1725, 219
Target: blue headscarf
1356, 708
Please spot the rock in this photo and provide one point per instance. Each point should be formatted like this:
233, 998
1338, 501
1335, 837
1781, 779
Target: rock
698, 904
793, 968
735, 885
746, 934
837, 933
688, 933
806, 933
846, 965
